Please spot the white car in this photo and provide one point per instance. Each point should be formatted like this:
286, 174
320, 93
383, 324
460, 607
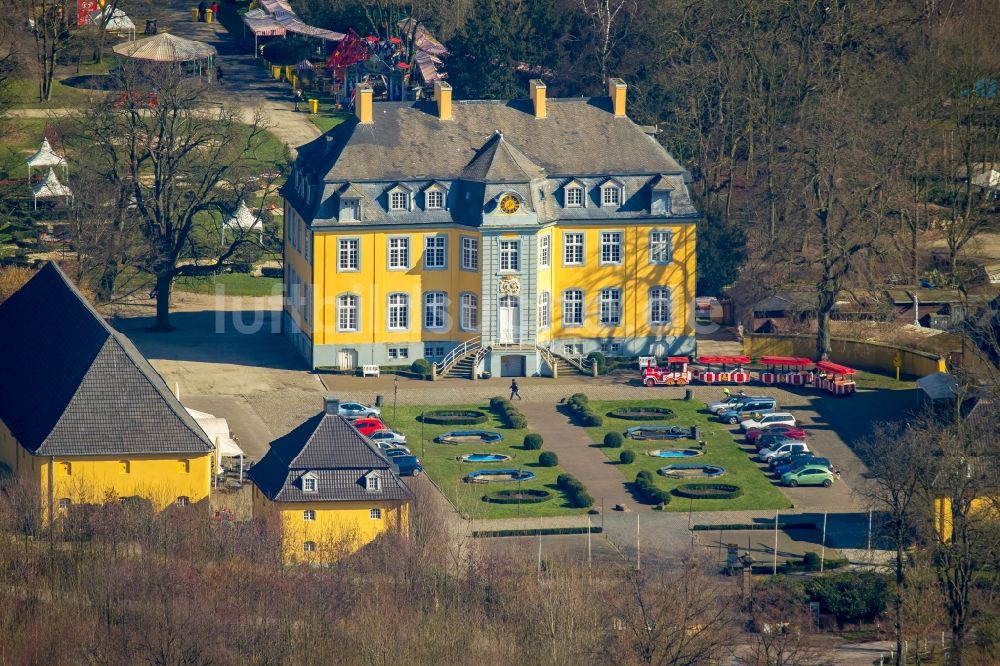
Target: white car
388, 436
386, 447
786, 449
767, 420
356, 410
718, 408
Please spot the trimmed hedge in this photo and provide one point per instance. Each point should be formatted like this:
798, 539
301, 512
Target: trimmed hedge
528, 496
708, 491
626, 457
600, 361
648, 491
545, 531
576, 491
532, 441
548, 459
421, 366
508, 413
454, 417
613, 440
642, 413
579, 408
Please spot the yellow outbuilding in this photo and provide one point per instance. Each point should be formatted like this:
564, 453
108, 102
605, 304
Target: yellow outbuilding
84, 418
329, 488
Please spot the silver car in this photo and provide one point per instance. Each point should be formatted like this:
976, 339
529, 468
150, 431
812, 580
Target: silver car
357, 410
395, 449
388, 436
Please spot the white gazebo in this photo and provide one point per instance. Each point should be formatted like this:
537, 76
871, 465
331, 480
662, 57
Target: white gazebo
119, 23
217, 430
46, 157
242, 219
50, 188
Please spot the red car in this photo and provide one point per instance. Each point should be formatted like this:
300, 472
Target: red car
367, 425
791, 432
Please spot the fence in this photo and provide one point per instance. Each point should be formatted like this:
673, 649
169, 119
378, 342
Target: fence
865, 355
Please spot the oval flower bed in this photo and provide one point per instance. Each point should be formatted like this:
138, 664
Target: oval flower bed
708, 491
454, 417
527, 496
642, 413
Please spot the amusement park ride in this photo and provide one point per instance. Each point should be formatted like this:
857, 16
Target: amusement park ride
679, 371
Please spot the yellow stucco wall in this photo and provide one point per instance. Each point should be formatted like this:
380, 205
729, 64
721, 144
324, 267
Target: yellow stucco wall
853, 353
161, 479
340, 528
943, 519
374, 281
297, 246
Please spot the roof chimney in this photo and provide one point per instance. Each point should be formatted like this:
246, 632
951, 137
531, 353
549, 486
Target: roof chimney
363, 103
537, 89
331, 404
616, 91
442, 93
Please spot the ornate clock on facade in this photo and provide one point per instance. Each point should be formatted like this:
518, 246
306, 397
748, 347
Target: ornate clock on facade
509, 204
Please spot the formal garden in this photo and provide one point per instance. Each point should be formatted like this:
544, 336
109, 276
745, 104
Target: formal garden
548, 492
694, 482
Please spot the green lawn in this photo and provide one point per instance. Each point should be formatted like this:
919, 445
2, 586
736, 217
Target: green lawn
24, 93
440, 462
327, 121
758, 490
235, 284
21, 138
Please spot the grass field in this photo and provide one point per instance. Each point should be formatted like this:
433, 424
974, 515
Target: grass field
21, 138
758, 491
440, 462
234, 284
326, 122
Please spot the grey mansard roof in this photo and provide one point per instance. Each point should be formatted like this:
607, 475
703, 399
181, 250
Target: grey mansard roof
72, 385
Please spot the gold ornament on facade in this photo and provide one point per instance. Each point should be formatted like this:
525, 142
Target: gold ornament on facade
509, 286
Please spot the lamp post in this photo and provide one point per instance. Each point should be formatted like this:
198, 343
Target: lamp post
395, 392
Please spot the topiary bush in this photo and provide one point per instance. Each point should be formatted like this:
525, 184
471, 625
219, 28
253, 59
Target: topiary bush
497, 403
517, 421
613, 440
599, 359
642, 413
811, 561
508, 413
579, 397
580, 411
421, 367
647, 490
527, 496
454, 417
548, 459
575, 491
708, 491
532, 441
626, 457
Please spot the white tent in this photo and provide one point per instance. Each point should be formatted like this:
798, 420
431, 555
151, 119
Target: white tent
46, 157
50, 188
119, 23
217, 430
243, 219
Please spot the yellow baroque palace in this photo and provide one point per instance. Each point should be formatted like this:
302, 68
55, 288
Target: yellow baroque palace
84, 418
504, 234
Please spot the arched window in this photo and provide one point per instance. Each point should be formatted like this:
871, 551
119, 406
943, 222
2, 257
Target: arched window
399, 312
434, 310
470, 312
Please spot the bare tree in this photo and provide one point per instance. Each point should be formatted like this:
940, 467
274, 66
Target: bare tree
782, 630
51, 30
609, 19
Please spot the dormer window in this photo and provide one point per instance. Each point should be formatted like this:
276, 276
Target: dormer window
611, 194
309, 483
350, 210
435, 200
373, 482
573, 194
399, 200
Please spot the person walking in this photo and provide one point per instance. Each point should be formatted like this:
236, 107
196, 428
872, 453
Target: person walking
514, 390
201, 10
215, 11
726, 392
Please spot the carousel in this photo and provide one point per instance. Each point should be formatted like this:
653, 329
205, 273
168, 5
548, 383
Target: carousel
194, 57
835, 378
786, 370
721, 369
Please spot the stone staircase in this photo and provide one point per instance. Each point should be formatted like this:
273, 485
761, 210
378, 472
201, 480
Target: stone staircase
566, 369
462, 369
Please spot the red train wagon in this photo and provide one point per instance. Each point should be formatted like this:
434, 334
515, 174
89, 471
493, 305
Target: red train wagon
835, 378
721, 370
786, 370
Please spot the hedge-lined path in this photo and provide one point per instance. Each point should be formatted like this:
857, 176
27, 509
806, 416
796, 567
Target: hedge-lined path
577, 454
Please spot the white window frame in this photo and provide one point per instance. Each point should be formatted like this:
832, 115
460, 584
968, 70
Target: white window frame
545, 251
343, 307
373, 483
402, 251
310, 484
438, 308
403, 305
399, 201
657, 302
470, 254
609, 307
435, 192
182, 501
663, 245
510, 254
431, 251
571, 192
434, 351
611, 195
308, 546
544, 309
577, 304
609, 348
570, 242
375, 514
350, 205
65, 503
469, 319
609, 240
344, 252
309, 515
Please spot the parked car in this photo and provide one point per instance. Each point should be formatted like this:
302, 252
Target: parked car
387, 436
795, 463
770, 441
782, 451
784, 418
731, 402
385, 447
789, 459
367, 426
749, 410
395, 453
794, 432
408, 465
354, 410
809, 475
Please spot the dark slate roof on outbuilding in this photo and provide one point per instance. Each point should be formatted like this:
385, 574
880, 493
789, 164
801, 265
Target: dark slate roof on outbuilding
330, 448
72, 385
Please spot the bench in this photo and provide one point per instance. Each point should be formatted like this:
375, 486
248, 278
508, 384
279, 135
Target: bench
369, 371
